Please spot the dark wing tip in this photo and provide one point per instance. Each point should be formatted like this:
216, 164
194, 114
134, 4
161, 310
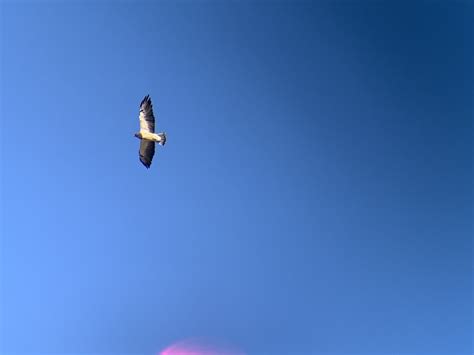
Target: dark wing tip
147, 164
145, 160
146, 100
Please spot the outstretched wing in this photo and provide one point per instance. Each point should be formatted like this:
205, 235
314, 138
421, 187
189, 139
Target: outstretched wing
147, 150
147, 120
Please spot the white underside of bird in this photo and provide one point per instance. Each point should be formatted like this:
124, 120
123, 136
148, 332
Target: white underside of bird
152, 136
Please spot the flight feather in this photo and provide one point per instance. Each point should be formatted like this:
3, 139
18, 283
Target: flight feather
147, 119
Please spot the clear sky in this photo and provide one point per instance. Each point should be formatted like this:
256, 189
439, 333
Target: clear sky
314, 195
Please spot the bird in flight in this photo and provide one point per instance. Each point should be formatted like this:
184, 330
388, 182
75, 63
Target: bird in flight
147, 134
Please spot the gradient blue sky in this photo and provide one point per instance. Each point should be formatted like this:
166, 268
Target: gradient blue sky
314, 196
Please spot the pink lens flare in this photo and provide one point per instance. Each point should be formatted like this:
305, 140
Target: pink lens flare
200, 346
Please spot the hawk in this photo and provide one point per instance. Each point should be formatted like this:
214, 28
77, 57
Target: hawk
147, 134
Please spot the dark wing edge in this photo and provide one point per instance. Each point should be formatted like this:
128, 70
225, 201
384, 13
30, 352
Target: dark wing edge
147, 151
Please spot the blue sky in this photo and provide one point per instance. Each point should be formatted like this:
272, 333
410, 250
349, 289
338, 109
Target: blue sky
314, 195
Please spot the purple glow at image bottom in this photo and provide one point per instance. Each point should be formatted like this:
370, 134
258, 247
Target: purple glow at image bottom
199, 346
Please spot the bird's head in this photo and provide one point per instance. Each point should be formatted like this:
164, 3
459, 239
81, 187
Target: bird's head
138, 135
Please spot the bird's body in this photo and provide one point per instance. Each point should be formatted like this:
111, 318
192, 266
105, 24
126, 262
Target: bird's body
150, 136
147, 134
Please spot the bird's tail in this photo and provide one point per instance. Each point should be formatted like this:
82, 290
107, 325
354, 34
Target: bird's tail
162, 138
